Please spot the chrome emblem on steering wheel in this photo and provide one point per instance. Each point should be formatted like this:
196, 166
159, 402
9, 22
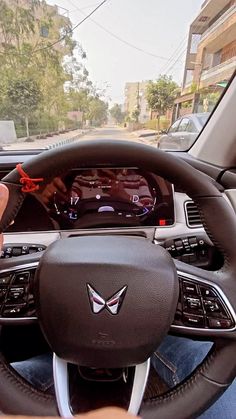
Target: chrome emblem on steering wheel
113, 304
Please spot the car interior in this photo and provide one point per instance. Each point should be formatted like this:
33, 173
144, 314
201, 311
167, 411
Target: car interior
139, 244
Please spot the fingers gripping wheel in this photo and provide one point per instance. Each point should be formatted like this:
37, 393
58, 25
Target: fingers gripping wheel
115, 299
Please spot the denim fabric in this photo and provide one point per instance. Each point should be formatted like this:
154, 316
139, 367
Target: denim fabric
176, 358
37, 371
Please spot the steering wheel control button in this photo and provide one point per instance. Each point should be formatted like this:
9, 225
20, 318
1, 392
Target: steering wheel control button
3, 292
193, 304
193, 321
211, 306
14, 311
207, 292
214, 308
16, 295
21, 278
190, 288
201, 306
219, 323
4, 280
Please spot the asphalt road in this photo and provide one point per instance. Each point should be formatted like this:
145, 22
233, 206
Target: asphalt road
116, 133
108, 133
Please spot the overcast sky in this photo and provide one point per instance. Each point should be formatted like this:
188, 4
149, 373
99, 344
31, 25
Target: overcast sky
158, 27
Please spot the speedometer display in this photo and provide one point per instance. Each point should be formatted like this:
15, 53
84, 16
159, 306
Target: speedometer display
114, 194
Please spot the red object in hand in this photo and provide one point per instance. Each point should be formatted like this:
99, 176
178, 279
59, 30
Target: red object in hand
29, 184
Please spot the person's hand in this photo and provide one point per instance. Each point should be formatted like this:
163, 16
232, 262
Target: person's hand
106, 413
57, 185
4, 194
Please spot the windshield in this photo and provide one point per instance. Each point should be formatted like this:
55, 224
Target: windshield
203, 118
112, 69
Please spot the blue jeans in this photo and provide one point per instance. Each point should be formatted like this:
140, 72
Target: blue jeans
174, 360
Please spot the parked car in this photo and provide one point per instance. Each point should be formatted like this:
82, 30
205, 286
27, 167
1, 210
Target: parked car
182, 134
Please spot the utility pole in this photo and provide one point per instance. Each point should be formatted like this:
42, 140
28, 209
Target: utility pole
138, 105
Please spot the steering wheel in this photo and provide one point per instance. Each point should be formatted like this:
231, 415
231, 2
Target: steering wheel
108, 301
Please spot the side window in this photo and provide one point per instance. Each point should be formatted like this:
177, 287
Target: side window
183, 125
174, 127
191, 127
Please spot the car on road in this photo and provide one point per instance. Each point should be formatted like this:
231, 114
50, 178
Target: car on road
182, 134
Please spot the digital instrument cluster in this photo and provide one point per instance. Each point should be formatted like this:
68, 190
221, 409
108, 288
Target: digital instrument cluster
113, 197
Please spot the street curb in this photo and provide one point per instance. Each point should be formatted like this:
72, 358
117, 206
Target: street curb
67, 140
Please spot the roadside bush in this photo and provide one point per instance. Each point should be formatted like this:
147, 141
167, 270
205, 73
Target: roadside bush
45, 126
153, 123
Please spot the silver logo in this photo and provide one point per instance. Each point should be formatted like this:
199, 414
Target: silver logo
98, 303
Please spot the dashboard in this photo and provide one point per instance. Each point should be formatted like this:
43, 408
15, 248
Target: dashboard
110, 200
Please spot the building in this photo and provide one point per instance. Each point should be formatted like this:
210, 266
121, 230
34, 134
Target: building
135, 100
210, 58
43, 14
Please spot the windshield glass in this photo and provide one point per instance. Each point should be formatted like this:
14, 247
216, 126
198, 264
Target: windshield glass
112, 69
203, 118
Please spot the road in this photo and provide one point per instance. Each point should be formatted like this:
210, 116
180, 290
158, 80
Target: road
116, 133
109, 133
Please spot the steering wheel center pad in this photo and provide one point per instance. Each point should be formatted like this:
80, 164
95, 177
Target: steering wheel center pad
106, 301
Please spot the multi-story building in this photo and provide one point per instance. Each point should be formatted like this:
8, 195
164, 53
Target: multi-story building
135, 99
43, 13
211, 53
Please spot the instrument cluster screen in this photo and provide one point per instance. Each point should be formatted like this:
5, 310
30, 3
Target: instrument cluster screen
113, 197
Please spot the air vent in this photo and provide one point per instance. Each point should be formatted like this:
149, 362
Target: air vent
192, 214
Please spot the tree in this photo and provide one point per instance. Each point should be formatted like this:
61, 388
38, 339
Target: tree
135, 114
24, 97
27, 54
161, 95
97, 111
117, 114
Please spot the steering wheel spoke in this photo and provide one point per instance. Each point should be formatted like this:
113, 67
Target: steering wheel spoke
203, 306
17, 304
62, 386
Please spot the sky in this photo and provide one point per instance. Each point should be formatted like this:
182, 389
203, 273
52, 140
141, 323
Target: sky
158, 27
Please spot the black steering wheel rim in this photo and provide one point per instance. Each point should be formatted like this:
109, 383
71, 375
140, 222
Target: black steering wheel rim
218, 370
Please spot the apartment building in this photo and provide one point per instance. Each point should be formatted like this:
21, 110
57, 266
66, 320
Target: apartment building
44, 12
135, 99
211, 54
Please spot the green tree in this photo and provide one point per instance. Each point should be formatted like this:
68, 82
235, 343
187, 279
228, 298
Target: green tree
27, 54
117, 114
161, 95
24, 97
135, 114
97, 111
